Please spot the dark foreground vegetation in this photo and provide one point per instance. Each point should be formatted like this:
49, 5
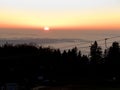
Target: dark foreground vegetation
31, 66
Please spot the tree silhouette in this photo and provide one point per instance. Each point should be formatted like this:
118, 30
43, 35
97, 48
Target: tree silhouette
113, 54
30, 65
96, 53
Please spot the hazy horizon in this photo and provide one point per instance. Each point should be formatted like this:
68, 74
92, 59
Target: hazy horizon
53, 34
62, 39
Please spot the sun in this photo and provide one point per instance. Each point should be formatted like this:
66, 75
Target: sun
46, 28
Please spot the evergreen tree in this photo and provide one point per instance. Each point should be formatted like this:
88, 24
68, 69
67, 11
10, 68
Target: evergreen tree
96, 53
113, 56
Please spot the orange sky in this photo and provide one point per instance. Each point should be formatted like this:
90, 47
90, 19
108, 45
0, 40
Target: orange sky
100, 18
92, 20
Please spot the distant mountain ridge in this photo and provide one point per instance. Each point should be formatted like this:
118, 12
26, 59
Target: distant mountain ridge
41, 41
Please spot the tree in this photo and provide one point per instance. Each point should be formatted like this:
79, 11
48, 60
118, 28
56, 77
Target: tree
113, 55
96, 53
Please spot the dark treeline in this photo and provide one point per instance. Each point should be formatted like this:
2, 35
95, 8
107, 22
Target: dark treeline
30, 66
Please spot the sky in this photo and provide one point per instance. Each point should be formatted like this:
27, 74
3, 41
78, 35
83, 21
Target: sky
60, 14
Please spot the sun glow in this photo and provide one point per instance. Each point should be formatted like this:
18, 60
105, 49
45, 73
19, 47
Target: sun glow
46, 28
